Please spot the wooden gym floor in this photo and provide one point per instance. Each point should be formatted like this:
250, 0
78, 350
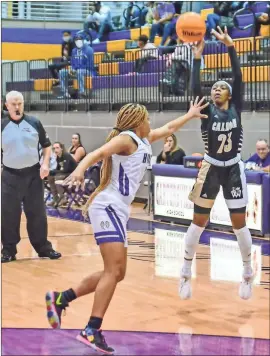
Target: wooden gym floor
214, 322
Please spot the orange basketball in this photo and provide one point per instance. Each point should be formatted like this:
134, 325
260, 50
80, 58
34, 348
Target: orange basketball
190, 27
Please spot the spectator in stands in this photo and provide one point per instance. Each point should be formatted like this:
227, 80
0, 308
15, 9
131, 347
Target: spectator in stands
171, 154
100, 21
184, 53
82, 65
67, 47
135, 16
164, 26
222, 16
150, 18
77, 150
260, 161
65, 165
148, 51
179, 65
178, 6
262, 19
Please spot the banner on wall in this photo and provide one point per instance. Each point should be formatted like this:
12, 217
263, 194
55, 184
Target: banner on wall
171, 200
171, 197
169, 253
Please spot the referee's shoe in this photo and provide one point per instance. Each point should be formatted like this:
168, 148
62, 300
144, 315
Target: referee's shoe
51, 254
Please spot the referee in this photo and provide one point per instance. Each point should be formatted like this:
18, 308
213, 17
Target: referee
22, 180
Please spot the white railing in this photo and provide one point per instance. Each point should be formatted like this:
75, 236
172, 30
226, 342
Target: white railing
45, 10
55, 10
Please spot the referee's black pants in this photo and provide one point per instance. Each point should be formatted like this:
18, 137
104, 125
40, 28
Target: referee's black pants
23, 186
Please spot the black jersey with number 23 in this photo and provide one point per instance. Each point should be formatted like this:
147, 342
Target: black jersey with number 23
222, 133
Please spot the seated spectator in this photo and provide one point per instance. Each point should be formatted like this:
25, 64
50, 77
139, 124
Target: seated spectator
260, 161
148, 51
82, 65
135, 16
222, 16
165, 23
262, 19
67, 47
178, 6
150, 16
179, 65
77, 150
171, 154
184, 53
100, 21
65, 165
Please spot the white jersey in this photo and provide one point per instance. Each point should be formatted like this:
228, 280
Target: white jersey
127, 174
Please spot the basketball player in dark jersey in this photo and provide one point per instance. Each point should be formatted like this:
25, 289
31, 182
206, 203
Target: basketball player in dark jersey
222, 134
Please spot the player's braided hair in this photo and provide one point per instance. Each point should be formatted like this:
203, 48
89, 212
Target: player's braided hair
129, 117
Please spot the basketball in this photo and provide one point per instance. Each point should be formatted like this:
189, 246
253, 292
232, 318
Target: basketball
190, 27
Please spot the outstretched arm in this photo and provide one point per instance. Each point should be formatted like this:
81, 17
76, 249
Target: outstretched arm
236, 69
175, 125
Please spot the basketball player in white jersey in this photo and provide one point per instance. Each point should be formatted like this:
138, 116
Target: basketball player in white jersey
125, 157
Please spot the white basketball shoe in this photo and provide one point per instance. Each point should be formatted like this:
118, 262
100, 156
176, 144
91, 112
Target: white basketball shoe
185, 290
245, 288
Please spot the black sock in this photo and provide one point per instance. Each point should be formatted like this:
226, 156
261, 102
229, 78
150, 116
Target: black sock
69, 295
95, 323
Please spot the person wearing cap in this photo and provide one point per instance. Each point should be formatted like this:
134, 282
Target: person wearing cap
82, 65
67, 47
22, 177
222, 166
100, 21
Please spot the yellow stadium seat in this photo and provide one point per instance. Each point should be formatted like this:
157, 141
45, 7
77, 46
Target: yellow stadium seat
265, 30
217, 61
115, 46
246, 44
108, 68
98, 57
157, 41
87, 83
206, 12
135, 33
256, 74
130, 55
43, 84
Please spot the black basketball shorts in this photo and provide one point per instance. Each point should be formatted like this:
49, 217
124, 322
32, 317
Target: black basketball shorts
232, 179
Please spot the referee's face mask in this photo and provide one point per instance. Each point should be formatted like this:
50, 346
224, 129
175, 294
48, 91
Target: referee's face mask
15, 106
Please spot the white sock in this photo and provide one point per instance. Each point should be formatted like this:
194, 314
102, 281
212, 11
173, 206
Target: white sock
191, 241
245, 242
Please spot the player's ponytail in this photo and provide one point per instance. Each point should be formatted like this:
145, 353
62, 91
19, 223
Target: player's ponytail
129, 117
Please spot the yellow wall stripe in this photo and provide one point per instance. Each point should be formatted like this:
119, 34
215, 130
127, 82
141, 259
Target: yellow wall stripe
28, 51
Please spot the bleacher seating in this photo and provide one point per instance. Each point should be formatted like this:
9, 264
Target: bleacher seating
116, 71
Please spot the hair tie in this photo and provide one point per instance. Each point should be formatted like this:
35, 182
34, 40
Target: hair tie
117, 129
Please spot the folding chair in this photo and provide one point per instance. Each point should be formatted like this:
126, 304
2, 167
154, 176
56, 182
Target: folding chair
80, 197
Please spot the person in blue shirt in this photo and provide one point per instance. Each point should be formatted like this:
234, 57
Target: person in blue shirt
82, 65
260, 161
